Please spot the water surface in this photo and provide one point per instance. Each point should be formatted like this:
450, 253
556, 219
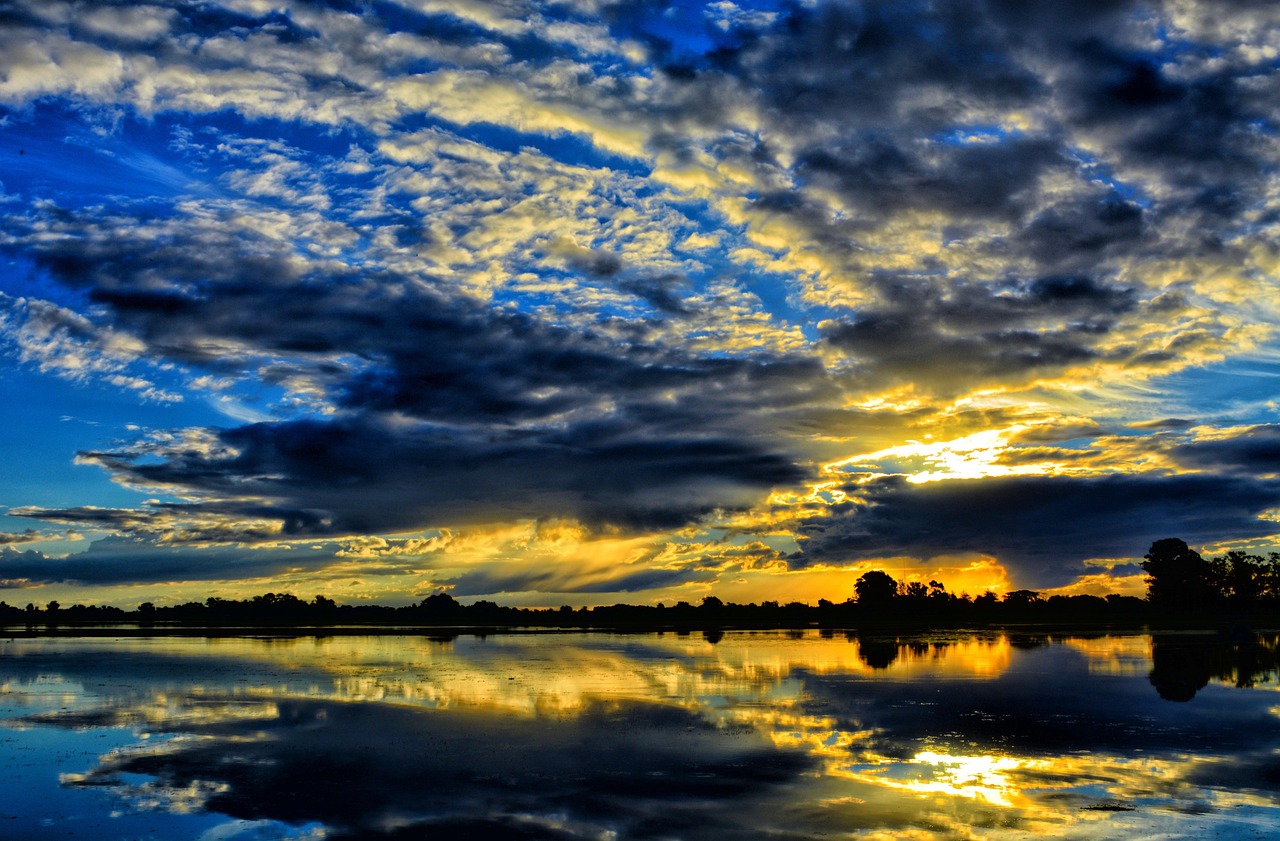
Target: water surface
648, 736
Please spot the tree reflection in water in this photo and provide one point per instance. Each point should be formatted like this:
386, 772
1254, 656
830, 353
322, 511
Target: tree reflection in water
1182, 664
877, 653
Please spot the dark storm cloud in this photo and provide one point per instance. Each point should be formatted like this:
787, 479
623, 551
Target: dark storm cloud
1040, 527
1195, 134
1254, 451
509, 415
874, 101
861, 63
897, 109
856, 65
1164, 425
410, 344
21, 569
195, 523
126, 560
904, 107
1078, 233
882, 175
1037, 22
343, 477
969, 333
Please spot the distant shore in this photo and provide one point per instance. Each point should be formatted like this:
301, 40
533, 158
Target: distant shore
1233, 593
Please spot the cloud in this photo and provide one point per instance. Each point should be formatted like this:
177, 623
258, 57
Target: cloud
62, 342
550, 579
725, 755
1251, 451
177, 523
967, 335
138, 560
293, 776
1078, 233
1185, 127
1041, 528
454, 264
444, 410
25, 536
366, 476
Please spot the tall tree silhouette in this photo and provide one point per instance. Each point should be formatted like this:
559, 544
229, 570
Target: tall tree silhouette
1178, 578
876, 589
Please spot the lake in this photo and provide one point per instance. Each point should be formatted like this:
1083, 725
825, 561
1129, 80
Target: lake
740, 735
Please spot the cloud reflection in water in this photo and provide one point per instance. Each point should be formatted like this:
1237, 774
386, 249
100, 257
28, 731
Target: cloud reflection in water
658, 736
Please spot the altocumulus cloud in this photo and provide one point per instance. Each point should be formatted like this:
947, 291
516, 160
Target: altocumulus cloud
643, 267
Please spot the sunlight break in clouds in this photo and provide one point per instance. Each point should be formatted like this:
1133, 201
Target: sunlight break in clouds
645, 300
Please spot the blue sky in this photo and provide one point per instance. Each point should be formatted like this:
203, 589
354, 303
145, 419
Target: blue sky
588, 302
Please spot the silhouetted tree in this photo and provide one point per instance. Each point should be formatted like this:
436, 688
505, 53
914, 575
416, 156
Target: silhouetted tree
1022, 598
1238, 578
441, 606
1178, 579
915, 590
875, 589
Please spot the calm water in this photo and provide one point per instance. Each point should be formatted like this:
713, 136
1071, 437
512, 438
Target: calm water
596, 736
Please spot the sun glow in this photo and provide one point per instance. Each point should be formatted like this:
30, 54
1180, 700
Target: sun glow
974, 456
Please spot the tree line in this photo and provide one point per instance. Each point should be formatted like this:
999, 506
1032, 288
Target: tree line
1181, 587
1179, 579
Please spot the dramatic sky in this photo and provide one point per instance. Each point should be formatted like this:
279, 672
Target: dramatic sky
586, 302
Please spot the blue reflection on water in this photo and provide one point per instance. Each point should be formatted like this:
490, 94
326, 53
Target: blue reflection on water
37, 762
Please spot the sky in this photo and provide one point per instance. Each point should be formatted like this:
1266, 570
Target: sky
591, 302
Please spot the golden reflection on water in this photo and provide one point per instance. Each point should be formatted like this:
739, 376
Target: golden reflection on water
534, 675
984, 778
539, 674
1114, 655
774, 686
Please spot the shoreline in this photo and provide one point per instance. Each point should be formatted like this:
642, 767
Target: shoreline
133, 630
